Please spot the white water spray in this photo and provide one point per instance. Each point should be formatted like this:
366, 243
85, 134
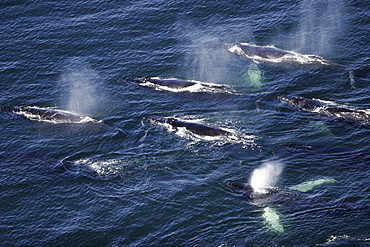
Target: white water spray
205, 65
266, 176
80, 81
202, 62
321, 22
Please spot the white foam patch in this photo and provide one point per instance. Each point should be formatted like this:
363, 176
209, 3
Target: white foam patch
102, 167
319, 109
192, 89
334, 104
366, 111
88, 120
31, 116
303, 58
331, 103
236, 49
345, 240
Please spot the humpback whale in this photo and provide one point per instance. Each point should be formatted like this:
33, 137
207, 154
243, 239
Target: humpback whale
194, 128
271, 54
329, 109
47, 115
262, 192
175, 85
274, 195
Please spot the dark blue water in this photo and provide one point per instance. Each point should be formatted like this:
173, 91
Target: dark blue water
124, 182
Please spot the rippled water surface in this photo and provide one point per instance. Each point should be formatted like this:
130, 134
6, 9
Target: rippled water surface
124, 182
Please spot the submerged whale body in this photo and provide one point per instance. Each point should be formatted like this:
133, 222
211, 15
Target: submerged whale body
271, 54
274, 195
171, 83
329, 109
194, 128
47, 115
176, 85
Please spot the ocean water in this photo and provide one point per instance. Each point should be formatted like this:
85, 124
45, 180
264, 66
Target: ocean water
124, 182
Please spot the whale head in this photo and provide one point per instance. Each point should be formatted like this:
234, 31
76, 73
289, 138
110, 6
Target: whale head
301, 103
293, 100
240, 188
137, 80
9, 108
157, 120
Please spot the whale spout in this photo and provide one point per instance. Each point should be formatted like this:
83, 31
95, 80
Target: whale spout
219, 45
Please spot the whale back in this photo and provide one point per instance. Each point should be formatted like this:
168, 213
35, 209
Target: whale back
302, 103
329, 109
47, 115
201, 129
170, 83
157, 120
262, 51
272, 55
240, 188
195, 128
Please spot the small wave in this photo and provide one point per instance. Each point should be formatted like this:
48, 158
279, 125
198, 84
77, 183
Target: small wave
102, 167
